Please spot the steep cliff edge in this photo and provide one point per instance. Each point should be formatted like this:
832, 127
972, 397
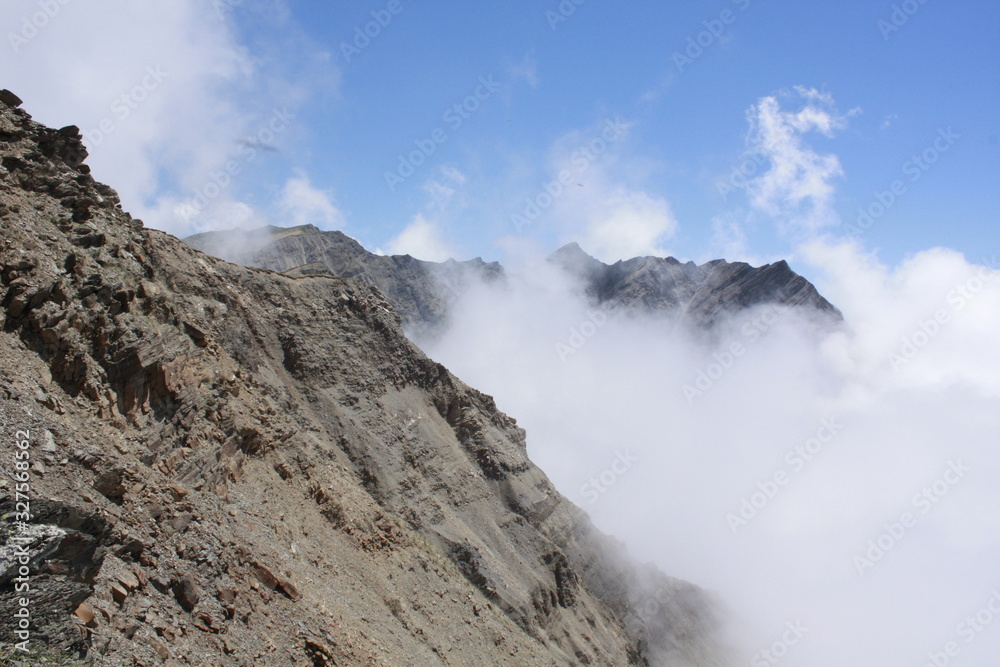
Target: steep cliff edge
237, 467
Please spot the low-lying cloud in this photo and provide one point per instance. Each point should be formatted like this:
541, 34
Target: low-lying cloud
836, 485
838, 481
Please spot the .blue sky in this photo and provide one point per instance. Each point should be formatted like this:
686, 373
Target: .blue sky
247, 112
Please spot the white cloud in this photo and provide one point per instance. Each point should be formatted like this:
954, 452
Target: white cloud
422, 239
661, 88
797, 188
302, 204
911, 380
729, 240
163, 90
593, 191
620, 389
936, 303
625, 224
221, 214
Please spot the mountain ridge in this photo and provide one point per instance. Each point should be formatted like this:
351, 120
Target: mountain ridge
422, 291
419, 290
698, 293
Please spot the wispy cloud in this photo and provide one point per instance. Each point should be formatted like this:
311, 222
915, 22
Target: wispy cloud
423, 239
623, 223
593, 192
158, 139
303, 203
797, 187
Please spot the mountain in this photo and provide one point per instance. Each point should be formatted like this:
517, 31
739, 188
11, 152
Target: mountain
231, 466
421, 292
698, 294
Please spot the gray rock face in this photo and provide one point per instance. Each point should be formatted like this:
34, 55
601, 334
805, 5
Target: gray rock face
250, 468
698, 294
420, 291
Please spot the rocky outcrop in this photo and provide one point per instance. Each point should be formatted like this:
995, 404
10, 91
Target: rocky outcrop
420, 291
697, 294
233, 466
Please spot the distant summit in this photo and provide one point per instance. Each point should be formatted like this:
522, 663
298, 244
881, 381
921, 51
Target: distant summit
699, 294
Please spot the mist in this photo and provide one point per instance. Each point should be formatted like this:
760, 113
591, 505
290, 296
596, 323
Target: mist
835, 485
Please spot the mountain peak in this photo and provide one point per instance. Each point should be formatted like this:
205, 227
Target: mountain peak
574, 260
571, 247
697, 293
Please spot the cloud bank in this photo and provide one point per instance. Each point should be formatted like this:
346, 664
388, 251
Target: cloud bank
842, 481
836, 486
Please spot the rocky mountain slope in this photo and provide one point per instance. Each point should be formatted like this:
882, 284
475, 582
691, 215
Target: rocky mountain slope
231, 466
420, 291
